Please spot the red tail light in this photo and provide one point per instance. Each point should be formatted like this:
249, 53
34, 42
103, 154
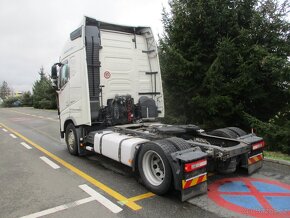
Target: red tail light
258, 145
188, 167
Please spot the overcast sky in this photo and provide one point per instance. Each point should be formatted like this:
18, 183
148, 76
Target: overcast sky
33, 32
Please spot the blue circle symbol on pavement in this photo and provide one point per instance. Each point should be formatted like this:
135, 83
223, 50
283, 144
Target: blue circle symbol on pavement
252, 196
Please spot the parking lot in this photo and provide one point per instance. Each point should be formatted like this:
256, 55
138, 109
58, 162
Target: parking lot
38, 177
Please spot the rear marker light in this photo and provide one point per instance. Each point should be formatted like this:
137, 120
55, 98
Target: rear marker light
258, 145
188, 167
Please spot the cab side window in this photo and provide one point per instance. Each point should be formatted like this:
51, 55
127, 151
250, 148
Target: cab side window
64, 75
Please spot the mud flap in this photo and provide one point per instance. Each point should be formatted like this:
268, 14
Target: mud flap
194, 191
81, 149
255, 162
193, 183
254, 167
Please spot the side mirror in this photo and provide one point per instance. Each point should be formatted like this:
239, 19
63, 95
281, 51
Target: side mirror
54, 72
54, 75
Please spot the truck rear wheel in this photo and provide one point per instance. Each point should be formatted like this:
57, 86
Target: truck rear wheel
226, 133
71, 139
229, 132
238, 131
230, 165
154, 169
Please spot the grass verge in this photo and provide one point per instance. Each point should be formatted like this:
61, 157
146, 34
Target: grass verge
276, 155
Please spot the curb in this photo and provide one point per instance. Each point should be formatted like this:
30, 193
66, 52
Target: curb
283, 162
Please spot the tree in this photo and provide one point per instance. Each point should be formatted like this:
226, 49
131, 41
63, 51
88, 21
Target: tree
26, 99
41, 73
44, 96
5, 91
12, 102
223, 59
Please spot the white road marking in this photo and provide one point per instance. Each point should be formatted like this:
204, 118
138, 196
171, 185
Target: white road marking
26, 145
100, 198
13, 136
35, 115
5, 130
60, 208
95, 196
49, 162
52, 119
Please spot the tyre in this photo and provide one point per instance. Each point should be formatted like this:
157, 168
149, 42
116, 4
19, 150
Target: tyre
179, 143
154, 169
228, 166
238, 131
226, 133
71, 139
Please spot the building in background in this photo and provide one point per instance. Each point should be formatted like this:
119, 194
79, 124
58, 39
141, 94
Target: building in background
16, 94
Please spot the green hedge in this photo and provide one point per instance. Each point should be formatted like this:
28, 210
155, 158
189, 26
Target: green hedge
276, 132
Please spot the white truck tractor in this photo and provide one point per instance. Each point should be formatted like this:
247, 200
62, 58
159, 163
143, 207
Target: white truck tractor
110, 99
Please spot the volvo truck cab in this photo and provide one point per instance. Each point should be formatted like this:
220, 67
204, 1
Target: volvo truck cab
109, 74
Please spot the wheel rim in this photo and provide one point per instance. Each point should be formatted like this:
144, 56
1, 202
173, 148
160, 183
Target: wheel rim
153, 168
71, 140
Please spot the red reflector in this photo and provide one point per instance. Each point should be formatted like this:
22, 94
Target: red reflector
195, 165
258, 145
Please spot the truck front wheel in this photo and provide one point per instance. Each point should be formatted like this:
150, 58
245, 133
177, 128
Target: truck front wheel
71, 139
154, 169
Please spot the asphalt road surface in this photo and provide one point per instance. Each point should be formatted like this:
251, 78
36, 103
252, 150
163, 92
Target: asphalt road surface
38, 177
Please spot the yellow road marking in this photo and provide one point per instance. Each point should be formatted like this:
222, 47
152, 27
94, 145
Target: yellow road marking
77, 171
143, 196
138, 198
